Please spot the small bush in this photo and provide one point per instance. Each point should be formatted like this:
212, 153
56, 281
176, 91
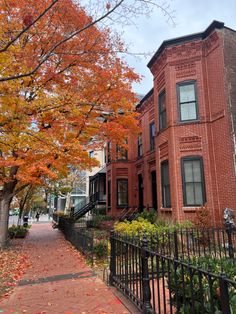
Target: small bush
101, 249
203, 217
18, 231
142, 226
97, 219
135, 228
149, 215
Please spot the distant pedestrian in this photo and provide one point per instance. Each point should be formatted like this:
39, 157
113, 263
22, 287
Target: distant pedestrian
37, 216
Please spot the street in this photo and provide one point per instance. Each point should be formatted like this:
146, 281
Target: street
42, 219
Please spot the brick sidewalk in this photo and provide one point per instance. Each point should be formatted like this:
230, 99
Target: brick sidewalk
58, 280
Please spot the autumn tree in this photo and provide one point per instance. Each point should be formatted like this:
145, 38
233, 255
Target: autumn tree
60, 79
30, 199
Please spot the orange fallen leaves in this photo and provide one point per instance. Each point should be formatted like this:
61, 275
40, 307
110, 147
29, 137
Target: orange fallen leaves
13, 264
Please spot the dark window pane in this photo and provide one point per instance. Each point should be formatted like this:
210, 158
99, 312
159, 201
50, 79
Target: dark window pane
109, 193
162, 111
165, 183
193, 182
122, 192
140, 146
152, 136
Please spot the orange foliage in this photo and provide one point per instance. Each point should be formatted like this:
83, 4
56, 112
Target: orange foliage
203, 217
49, 118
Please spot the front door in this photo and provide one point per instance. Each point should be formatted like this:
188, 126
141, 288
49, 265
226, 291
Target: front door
140, 192
154, 189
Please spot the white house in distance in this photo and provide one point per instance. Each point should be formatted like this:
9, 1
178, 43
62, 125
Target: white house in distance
87, 183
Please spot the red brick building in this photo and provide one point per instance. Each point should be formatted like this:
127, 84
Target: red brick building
185, 155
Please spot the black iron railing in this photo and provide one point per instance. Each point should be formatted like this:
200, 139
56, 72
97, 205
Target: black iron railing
87, 205
79, 237
183, 244
182, 276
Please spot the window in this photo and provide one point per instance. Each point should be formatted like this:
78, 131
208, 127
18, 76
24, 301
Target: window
193, 181
109, 193
105, 155
187, 101
122, 192
121, 152
91, 154
109, 152
152, 136
140, 145
165, 184
162, 110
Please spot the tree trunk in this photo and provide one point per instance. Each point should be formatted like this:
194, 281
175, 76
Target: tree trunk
21, 209
68, 203
5, 201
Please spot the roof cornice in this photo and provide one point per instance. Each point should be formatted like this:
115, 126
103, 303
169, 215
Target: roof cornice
149, 94
180, 40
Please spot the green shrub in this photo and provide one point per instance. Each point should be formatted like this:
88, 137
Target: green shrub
100, 249
99, 211
17, 231
142, 226
149, 215
182, 284
135, 228
97, 219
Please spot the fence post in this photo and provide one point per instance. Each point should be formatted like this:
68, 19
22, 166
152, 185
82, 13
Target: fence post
229, 231
112, 258
224, 296
147, 308
176, 245
92, 247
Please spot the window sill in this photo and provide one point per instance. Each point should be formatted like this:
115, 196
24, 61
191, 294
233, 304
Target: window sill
188, 121
122, 160
166, 209
192, 209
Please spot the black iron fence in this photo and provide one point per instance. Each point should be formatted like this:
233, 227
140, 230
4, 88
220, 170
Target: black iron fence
178, 273
185, 243
79, 237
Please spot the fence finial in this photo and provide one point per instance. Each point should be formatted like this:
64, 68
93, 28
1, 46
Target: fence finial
229, 217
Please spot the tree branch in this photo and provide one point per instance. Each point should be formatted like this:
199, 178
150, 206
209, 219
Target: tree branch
24, 30
50, 52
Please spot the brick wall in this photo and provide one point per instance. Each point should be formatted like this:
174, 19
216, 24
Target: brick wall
210, 62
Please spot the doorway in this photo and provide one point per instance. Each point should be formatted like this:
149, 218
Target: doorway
140, 192
154, 189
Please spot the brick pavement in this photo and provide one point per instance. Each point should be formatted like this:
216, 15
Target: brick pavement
58, 280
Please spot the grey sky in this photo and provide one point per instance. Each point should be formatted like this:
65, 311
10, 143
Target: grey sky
191, 16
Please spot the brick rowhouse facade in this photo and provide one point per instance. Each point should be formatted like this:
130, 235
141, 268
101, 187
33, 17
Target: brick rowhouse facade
193, 107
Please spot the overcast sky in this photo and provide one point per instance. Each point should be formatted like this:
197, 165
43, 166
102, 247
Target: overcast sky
191, 16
